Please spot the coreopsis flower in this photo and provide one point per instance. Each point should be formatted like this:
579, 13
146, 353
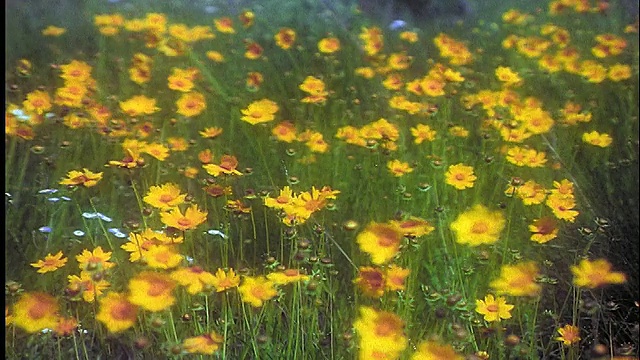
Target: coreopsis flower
562, 207
460, 176
507, 76
569, 335
371, 281
95, 261
285, 131
225, 280
395, 277
478, 226
181, 80
116, 312
35, 311
619, 72
432, 350
530, 192
398, 168
191, 104
517, 280
314, 141
432, 86
195, 278
380, 241
458, 131
76, 72
37, 102
393, 82
139, 105
253, 50
494, 309
211, 132
246, 18
85, 178
285, 38
187, 221
260, 111
412, 227
422, 132
315, 88
215, 56
543, 230
65, 326
206, 344
329, 45
254, 80
409, 36
165, 196
50, 263
380, 333
365, 72
152, 291
597, 139
596, 273
162, 257
224, 25
287, 276
256, 290
53, 31
139, 244
228, 165
87, 286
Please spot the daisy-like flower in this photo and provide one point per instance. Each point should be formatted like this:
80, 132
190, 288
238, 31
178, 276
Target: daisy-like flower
190, 220
85, 178
422, 132
569, 335
139, 105
493, 309
87, 286
517, 280
53, 31
225, 280
432, 350
37, 102
162, 257
507, 76
165, 196
543, 230
191, 104
596, 273
182, 80
94, 261
211, 132
253, 50
76, 71
478, 226
287, 276
257, 290
228, 165
460, 176
381, 241
35, 311
329, 45
395, 277
379, 332
413, 226
246, 18
285, 131
215, 56
371, 281
206, 344
285, 38
50, 263
116, 312
398, 168
597, 139
152, 291
65, 326
195, 278
224, 25
260, 111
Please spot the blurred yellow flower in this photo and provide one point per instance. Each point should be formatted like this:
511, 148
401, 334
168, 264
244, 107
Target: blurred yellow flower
152, 291
596, 273
257, 290
478, 226
597, 139
35, 311
116, 312
518, 280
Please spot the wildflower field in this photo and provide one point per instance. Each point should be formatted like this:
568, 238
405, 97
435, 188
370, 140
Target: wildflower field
317, 185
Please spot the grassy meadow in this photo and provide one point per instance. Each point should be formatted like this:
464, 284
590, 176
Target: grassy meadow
255, 182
